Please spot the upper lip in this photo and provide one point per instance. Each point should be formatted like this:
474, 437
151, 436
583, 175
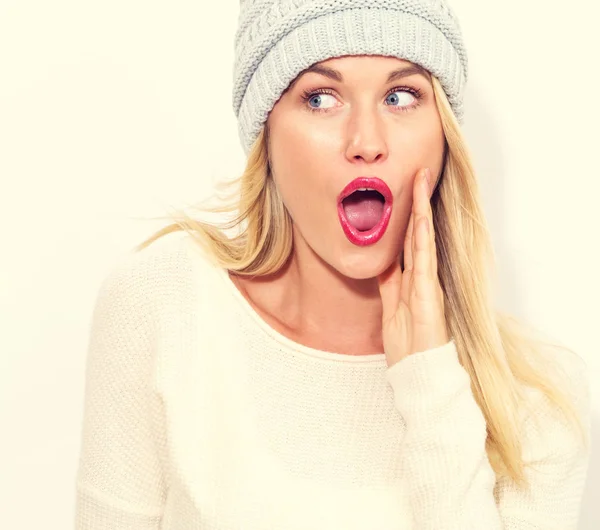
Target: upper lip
373, 183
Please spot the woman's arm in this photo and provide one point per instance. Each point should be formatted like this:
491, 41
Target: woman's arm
120, 481
451, 482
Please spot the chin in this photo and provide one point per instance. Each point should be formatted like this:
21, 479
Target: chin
365, 264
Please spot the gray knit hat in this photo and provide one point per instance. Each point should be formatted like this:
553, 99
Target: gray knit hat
278, 39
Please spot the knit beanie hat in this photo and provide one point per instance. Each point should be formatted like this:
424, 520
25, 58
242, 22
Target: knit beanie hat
278, 39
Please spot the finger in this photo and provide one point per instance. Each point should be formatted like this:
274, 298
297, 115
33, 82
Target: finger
408, 242
389, 283
432, 233
424, 287
421, 195
425, 194
418, 211
433, 251
408, 262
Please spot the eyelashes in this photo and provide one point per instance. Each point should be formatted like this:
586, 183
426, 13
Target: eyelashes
307, 95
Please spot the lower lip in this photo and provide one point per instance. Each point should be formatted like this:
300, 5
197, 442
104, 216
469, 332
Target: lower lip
368, 237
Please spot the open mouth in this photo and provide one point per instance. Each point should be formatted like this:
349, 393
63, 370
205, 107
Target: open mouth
364, 208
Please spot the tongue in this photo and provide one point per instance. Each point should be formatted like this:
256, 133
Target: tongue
363, 210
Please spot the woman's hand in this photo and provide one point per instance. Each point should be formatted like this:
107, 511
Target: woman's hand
412, 298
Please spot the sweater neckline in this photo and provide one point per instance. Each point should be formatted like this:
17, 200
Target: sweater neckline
286, 342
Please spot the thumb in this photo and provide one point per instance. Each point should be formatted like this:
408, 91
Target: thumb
390, 283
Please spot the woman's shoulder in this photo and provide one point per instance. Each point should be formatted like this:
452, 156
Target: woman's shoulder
567, 367
545, 354
568, 373
165, 268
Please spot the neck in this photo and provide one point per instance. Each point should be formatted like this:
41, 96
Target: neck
323, 306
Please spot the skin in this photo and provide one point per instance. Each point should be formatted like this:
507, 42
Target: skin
412, 297
333, 295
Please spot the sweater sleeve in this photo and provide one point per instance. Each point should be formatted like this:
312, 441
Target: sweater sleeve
449, 478
120, 482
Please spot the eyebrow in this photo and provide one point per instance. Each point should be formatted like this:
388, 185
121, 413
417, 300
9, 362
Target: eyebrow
405, 71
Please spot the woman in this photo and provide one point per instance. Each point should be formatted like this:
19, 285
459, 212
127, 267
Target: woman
337, 362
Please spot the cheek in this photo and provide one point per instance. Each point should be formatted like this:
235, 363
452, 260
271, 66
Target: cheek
419, 143
301, 162
412, 152
299, 143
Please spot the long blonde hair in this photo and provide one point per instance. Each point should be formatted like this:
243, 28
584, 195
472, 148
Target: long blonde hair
500, 353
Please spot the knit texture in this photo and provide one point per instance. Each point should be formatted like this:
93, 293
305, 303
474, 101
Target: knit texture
277, 39
198, 414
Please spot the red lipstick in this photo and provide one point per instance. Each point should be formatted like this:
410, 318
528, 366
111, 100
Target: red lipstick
366, 237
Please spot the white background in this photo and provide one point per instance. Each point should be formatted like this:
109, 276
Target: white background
116, 110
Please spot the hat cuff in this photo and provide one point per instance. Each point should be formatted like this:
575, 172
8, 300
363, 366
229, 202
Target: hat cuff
380, 31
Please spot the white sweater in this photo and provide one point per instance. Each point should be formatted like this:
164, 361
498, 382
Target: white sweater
199, 415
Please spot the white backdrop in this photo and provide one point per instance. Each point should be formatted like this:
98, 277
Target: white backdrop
116, 110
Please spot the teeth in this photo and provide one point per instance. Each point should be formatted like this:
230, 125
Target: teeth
365, 189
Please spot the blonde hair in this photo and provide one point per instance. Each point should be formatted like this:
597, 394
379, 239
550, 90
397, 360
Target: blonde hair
499, 352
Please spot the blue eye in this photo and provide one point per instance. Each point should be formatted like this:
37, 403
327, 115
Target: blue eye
392, 99
318, 99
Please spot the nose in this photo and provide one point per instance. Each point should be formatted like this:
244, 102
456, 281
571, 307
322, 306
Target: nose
366, 139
